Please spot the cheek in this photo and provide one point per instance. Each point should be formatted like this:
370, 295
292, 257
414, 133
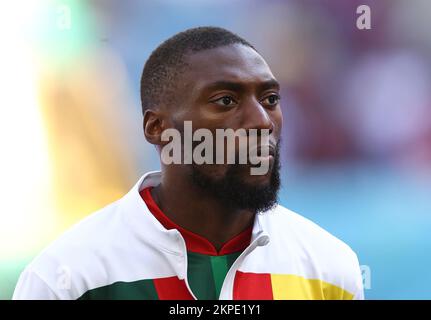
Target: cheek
278, 122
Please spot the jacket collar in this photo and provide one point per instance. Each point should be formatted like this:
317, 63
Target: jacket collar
149, 230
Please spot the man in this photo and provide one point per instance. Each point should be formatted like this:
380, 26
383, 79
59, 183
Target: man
208, 230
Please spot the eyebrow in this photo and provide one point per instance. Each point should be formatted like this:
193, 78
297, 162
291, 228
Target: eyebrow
270, 84
237, 86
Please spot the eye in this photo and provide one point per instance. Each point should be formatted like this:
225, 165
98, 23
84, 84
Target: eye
225, 101
271, 100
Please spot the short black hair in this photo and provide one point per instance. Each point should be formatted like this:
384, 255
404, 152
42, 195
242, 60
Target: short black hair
166, 62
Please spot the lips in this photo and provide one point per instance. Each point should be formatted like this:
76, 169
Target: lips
271, 150
258, 150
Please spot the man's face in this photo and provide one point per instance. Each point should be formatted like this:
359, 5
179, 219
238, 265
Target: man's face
232, 87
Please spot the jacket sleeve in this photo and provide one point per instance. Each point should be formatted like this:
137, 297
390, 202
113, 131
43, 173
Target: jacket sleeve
31, 287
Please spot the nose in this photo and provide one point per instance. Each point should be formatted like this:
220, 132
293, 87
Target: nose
255, 116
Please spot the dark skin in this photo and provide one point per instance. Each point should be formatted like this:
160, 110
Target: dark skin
225, 87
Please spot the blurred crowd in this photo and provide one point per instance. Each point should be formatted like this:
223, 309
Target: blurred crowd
349, 94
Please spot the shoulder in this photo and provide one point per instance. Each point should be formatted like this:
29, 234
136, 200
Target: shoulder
302, 247
78, 259
88, 236
286, 225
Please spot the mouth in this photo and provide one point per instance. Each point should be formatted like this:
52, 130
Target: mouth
261, 155
271, 151
258, 151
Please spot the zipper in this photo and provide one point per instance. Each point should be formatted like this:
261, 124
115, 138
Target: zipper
226, 292
185, 263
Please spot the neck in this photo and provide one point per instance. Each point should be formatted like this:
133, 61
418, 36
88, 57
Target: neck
190, 207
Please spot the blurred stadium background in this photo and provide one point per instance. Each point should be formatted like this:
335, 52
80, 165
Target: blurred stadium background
357, 109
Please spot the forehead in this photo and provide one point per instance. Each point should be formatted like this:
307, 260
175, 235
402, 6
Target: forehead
236, 63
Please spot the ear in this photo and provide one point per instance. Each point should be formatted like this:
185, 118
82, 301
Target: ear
154, 125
